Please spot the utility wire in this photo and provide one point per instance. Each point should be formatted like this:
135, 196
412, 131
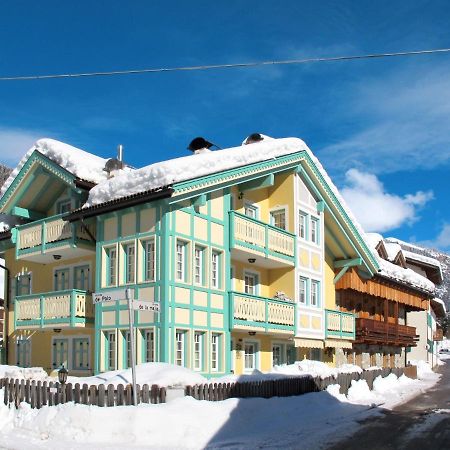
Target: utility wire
224, 66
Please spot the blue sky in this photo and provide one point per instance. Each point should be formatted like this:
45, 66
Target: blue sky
380, 127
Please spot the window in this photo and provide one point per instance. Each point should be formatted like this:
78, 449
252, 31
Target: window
277, 354
314, 230
111, 350
181, 261
23, 284
278, 218
251, 210
180, 348
250, 283
81, 278
315, 354
149, 345
127, 351
60, 353
215, 269
302, 290
81, 354
111, 266
62, 279
198, 265
149, 263
215, 346
250, 349
130, 263
314, 293
64, 206
302, 220
198, 351
24, 353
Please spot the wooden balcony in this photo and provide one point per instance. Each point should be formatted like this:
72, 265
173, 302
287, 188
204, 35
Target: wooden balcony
38, 241
339, 325
371, 331
438, 335
250, 238
71, 308
253, 313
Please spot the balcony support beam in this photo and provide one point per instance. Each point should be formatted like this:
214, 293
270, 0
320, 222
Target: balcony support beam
258, 183
199, 201
347, 263
27, 213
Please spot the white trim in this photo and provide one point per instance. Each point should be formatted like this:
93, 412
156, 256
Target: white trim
257, 285
257, 356
277, 208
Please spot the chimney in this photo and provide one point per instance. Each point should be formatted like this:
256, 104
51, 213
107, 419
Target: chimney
200, 145
253, 138
120, 152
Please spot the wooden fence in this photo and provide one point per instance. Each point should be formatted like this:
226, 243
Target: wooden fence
38, 393
286, 387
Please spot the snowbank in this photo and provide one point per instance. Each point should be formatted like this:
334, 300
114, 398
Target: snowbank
162, 374
22, 373
424, 370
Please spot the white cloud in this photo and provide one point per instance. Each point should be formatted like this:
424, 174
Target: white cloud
376, 209
442, 240
15, 142
400, 121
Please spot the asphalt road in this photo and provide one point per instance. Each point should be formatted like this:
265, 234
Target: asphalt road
423, 423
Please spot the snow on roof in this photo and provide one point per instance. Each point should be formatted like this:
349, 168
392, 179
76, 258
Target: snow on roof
422, 258
392, 250
80, 163
441, 303
3, 227
394, 272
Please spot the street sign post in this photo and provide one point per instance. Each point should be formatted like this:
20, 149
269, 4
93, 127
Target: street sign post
132, 343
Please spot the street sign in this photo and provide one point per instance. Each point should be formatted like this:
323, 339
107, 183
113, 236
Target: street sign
139, 305
109, 296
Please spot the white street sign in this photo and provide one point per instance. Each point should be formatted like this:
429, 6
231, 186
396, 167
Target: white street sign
109, 296
145, 306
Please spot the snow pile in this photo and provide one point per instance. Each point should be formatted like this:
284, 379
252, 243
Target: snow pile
392, 250
24, 373
3, 227
360, 393
424, 370
162, 374
82, 164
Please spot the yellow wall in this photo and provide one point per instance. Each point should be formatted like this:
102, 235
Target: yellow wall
330, 291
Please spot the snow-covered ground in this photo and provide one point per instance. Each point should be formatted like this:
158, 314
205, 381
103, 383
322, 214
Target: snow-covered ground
309, 421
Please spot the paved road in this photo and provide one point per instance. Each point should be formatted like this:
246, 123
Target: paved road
423, 423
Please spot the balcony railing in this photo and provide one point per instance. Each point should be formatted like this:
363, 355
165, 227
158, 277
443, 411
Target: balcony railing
49, 233
251, 311
438, 335
376, 332
72, 308
263, 238
339, 324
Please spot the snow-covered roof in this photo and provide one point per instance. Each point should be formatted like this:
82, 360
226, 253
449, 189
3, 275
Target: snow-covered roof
80, 163
394, 272
422, 258
392, 250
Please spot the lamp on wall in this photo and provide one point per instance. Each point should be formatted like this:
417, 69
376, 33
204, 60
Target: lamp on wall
252, 333
252, 260
56, 257
57, 330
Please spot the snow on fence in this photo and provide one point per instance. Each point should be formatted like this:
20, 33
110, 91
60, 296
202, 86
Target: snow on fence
286, 387
38, 393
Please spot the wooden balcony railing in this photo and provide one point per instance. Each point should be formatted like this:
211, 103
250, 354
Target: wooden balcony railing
64, 308
252, 234
371, 331
49, 233
438, 335
261, 312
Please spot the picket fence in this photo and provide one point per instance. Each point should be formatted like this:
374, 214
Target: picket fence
38, 393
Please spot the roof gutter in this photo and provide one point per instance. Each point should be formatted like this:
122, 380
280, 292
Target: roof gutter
114, 205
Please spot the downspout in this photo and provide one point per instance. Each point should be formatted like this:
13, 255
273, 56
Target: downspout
6, 309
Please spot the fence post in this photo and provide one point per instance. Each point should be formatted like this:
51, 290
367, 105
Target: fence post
110, 395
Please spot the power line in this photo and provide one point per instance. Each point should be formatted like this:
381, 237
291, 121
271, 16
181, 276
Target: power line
224, 66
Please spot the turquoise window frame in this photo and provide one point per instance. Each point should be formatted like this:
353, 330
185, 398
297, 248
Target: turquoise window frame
202, 250
184, 347
201, 368
108, 264
144, 346
23, 353
185, 259
306, 282
146, 244
83, 286
283, 355
305, 216
107, 336
257, 281
257, 351
316, 221
273, 212
76, 350
319, 300
253, 207
57, 353
126, 258
126, 351
21, 287
219, 255
219, 352
60, 203
58, 284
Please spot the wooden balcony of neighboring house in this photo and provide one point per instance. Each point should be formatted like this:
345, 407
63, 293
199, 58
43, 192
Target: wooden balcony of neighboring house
44, 240
438, 335
369, 331
59, 309
250, 238
339, 325
261, 314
